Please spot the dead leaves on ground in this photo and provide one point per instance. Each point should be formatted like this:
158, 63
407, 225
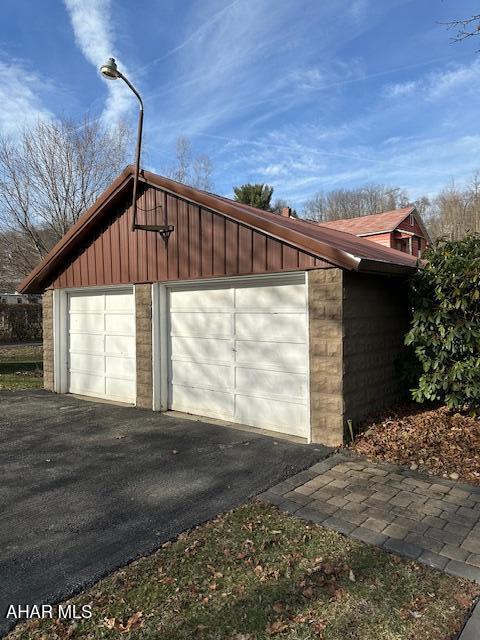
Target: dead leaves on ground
438, 441
280, 626
133, 622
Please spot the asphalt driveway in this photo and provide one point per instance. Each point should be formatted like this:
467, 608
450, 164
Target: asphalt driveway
87, 487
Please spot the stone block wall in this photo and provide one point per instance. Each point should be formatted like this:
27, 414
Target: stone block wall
375, 321
143, 308
48, 353
357, 324
326, 369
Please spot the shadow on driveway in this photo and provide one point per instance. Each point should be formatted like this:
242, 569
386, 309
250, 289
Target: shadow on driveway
88, 487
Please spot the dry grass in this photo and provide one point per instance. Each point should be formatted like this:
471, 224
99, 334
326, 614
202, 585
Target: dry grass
21, 353
256, 573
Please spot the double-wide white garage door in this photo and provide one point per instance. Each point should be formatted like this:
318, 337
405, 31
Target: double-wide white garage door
240, 353
237, 351
101, 344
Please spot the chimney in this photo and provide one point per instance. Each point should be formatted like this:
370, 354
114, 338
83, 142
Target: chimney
285, 212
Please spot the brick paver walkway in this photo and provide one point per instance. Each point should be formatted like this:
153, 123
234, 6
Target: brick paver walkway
429, 519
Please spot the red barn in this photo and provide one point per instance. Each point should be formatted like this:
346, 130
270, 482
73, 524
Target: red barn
401, 229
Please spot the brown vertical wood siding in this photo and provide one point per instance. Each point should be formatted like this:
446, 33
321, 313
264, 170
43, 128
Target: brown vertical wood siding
204, 244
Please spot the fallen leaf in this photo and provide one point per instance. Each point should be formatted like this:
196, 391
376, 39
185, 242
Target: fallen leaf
109, 623
134, 621
276, 627
307, 592
463, 600
319, 626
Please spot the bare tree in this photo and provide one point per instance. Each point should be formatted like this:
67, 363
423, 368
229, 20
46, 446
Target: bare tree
196, 172
202, 173
464, 28
180, 172
455, 212
351, 203
49, 176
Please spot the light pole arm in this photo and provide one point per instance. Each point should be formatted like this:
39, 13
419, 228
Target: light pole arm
137, 150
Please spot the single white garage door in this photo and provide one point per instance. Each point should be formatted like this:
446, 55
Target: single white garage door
101, 351
240, 353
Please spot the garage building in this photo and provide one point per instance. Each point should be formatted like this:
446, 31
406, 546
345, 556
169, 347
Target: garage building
237, 313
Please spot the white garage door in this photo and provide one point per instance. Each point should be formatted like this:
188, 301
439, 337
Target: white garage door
240, 353
101, 350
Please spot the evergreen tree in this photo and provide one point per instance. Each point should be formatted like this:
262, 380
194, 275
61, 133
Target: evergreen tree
256, 195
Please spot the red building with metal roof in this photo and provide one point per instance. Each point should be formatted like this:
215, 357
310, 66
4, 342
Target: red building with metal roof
401, 229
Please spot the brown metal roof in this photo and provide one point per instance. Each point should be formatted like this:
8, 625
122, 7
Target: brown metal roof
340, 249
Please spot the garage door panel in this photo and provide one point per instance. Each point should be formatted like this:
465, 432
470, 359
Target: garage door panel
87, 342
286, 356
271, 326
202, 349
202, 375
86, 362
205, 402
202, 299
277, 415
121, 390
119, 302
257, 382
120, 323
120, 368
87, 384
86, 323
120, 345
201, 324
86, 303
270, 297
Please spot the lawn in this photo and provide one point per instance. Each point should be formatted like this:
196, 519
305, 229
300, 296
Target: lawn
13, 379
434, 440
256, 573
21, 380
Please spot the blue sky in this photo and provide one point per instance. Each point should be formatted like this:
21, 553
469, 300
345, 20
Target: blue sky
306, 95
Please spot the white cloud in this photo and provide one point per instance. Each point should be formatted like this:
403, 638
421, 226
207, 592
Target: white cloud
401, 89
439, 83
442, 83
91, 22
20, 91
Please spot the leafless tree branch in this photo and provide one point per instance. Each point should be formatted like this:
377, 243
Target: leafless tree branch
465, 28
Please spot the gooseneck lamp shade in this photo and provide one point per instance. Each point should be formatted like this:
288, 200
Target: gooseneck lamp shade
109, 70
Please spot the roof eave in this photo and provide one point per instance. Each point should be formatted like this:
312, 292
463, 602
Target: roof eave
377, 266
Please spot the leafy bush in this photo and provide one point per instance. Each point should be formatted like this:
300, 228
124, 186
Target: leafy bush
445, 330
20, 322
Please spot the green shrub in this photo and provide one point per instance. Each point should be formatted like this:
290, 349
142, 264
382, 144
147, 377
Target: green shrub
445, 330
20, 322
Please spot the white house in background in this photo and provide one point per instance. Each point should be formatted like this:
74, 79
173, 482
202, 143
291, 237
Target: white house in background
19, 298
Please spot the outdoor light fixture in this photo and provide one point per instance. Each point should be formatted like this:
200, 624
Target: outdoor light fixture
110, 71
